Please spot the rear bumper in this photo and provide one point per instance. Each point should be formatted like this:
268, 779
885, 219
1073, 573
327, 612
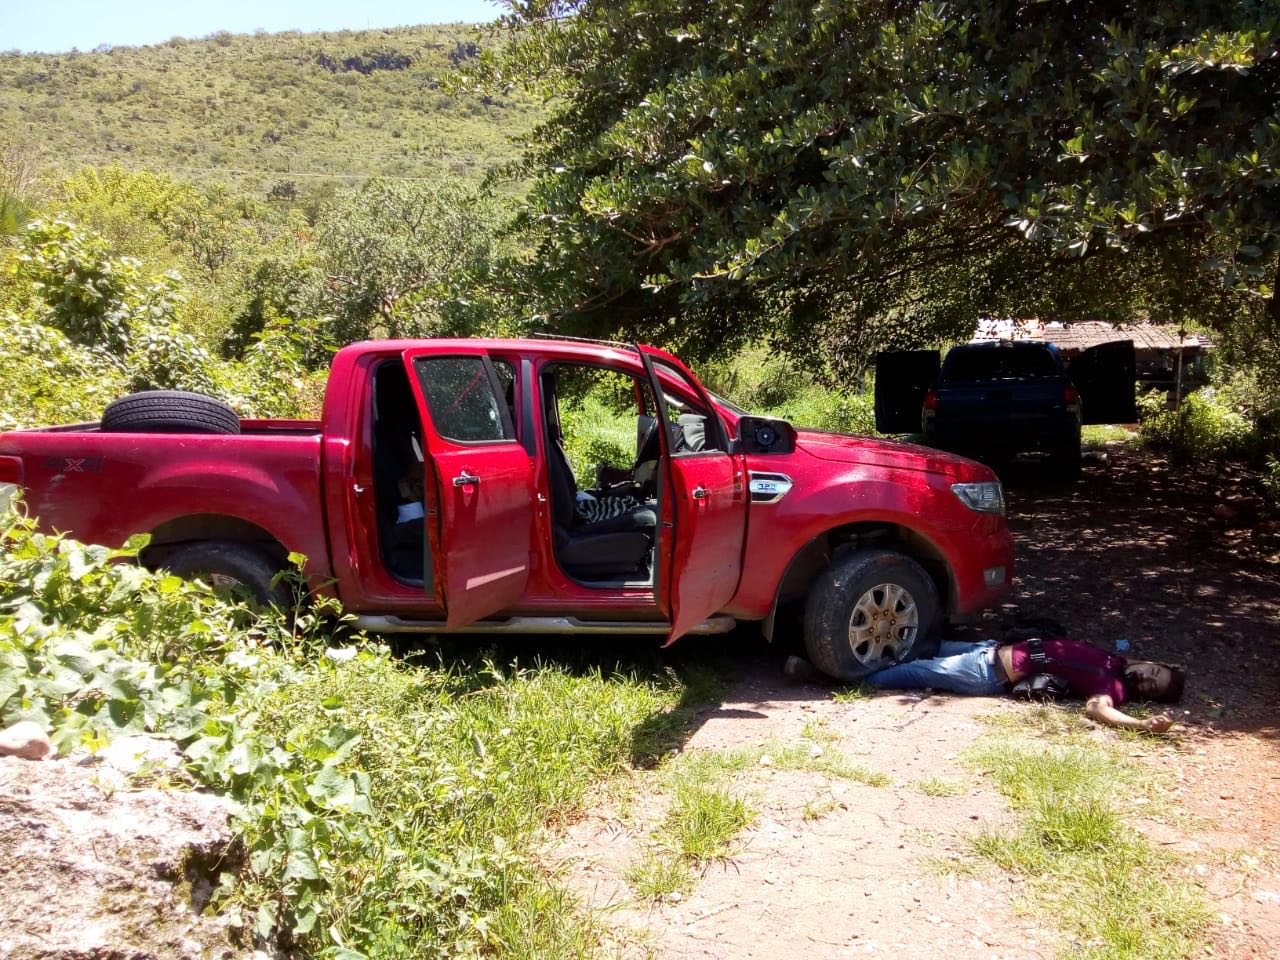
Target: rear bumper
997, 436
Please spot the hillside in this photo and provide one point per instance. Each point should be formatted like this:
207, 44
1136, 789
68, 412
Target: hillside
256, 111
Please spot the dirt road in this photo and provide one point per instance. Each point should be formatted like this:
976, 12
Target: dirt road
840, 868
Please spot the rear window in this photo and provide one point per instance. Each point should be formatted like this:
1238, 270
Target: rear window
967, 364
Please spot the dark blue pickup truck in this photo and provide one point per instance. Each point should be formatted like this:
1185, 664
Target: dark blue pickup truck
992, 400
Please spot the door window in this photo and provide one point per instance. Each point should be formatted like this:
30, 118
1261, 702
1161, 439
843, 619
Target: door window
697, 429
465, 399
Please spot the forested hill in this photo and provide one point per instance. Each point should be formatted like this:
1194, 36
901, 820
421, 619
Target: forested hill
258, 111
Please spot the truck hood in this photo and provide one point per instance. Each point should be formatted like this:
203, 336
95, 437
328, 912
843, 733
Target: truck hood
846, 448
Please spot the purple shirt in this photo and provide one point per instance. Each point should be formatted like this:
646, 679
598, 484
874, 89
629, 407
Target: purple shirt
1087, 670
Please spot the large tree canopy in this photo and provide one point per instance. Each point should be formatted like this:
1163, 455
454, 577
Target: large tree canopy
864, 170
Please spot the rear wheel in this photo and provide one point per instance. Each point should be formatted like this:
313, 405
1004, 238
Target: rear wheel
1064, 464
868, 611
230, 566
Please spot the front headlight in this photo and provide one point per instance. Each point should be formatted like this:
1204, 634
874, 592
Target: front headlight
985, 497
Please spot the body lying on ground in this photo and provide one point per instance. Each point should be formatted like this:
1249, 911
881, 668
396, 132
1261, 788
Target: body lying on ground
1105, 681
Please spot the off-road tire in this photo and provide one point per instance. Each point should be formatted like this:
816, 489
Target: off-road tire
169, 411
835, 596
227, 564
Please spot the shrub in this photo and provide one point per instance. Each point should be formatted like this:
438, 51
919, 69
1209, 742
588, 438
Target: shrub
1270, 482
1204, 427
769, 384
822, 409
72, 284
45, 378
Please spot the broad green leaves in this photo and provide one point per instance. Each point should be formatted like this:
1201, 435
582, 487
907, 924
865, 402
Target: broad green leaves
872, 174
385, 809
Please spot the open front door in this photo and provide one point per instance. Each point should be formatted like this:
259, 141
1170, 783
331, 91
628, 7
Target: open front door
478, 481
902, 379
1106, 376
707, 496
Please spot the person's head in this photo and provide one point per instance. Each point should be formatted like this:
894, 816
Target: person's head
1148, 680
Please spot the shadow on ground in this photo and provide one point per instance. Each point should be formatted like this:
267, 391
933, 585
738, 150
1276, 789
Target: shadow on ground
1156, 553
1134, 550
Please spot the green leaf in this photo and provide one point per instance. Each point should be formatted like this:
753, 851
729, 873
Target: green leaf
301, 865
332, 789
265, 923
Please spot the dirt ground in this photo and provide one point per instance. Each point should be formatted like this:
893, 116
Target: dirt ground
1179, 562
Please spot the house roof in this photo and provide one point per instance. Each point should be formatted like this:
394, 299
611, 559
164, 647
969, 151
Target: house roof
1083, 334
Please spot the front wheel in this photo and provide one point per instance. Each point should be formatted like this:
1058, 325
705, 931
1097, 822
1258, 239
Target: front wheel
868, 611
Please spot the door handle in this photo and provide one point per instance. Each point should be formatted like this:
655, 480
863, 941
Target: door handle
465, 479
700, 492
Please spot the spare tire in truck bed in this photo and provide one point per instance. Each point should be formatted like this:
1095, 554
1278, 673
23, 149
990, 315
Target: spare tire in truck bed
169, 411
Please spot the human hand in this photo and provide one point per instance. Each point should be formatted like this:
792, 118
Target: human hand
1158, 724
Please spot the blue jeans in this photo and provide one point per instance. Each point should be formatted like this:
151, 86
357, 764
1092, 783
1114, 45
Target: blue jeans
967, 668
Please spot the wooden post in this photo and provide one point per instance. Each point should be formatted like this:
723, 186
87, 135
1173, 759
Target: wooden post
1177, 383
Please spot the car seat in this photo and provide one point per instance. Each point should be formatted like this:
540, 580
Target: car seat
617, 546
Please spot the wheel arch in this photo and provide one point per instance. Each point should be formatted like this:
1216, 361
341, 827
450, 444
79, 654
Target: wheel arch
172, 535
818, 553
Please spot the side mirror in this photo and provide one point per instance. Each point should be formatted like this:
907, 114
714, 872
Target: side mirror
765, 435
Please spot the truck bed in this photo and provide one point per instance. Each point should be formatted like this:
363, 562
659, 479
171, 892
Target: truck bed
104, 487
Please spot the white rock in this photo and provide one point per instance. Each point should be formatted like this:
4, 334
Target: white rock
131, 754
25, 739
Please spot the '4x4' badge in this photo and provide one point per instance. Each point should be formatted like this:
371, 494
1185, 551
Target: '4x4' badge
65, 465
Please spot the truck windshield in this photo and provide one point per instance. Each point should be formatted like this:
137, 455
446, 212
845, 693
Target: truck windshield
999, 363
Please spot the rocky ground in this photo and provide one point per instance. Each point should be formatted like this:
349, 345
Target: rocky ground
97, 865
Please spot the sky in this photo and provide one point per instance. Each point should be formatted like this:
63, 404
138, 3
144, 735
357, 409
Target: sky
55, 26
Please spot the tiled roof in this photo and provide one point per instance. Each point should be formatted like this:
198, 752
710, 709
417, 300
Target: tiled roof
1087, 333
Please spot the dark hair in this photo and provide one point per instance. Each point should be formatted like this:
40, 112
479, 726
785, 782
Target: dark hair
1169, 693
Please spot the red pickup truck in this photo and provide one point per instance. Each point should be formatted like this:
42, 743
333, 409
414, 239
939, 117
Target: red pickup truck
435, 495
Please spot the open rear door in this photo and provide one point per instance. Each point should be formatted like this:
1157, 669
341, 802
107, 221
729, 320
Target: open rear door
903, 377
479, 484
1106, 376
708, 503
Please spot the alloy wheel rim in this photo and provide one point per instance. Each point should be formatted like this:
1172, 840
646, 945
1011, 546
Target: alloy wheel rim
221, 581
883, 625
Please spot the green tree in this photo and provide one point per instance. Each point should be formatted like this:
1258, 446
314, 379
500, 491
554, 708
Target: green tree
67, 279
863, 172
398, 258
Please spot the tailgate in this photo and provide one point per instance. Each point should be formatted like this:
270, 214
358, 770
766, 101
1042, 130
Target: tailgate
1011, 403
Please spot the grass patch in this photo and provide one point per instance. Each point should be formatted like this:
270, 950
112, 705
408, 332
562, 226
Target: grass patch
851, 694
938, 787
1100, 435
818, 731
801, 756
658, 874
1115, 894
817, 809
704, 819
833, 763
